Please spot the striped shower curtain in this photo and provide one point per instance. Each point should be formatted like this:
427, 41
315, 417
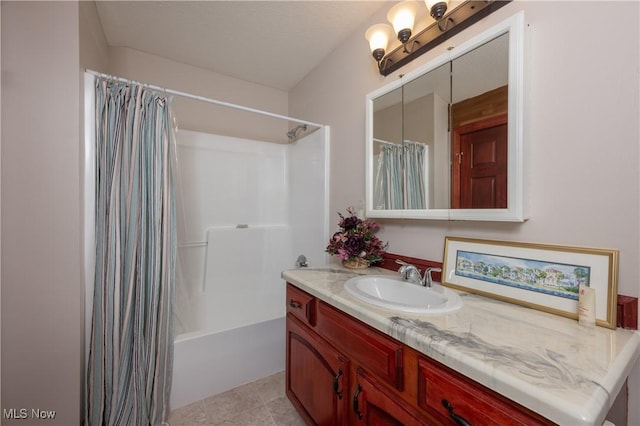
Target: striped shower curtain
388, 184
414, 175
400, 176
131, 349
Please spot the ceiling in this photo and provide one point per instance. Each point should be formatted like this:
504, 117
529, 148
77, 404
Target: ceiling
273, 43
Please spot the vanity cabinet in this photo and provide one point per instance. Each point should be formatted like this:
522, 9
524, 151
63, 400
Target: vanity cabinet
341, 371
377, 352
316, 375
448, 394
374, 404
301, 305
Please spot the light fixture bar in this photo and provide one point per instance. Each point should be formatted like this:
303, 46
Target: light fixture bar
463, 16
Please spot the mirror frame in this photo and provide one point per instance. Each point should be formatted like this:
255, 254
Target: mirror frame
516, 200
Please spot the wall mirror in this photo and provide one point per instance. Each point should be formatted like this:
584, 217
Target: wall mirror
446, 140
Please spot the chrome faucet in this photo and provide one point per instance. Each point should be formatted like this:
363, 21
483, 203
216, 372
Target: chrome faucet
411, 273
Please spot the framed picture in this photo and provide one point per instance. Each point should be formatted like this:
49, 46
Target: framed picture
539, 276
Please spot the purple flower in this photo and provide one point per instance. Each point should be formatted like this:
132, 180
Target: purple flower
356, 239
339, 236
355, 245
350, 222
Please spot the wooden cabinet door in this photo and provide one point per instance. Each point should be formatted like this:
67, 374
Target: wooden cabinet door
380, 354
373, 404
317, 376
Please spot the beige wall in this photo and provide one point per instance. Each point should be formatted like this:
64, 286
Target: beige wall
96, 55
200, 116
94, 50
41, 284
583, 152
582, 134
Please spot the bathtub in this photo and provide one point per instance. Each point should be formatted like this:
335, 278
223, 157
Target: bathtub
206, 364
246, 211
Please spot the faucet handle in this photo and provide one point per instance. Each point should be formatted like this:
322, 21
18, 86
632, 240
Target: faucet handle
404, 265
409, 272
402, 270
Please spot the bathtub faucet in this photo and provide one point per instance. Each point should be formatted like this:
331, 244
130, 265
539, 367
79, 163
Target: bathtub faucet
301, 262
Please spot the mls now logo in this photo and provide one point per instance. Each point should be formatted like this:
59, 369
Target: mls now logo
23, 413
15, 413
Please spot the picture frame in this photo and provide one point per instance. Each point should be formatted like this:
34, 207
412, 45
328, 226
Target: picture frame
539, 276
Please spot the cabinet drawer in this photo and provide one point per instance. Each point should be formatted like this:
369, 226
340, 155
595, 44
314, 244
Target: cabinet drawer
439, 386
375, 404
381, 354
302, 305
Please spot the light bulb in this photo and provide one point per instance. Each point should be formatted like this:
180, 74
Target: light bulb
436, 8
402, 16
378, 37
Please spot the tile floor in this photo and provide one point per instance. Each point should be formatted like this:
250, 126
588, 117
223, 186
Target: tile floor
260, 403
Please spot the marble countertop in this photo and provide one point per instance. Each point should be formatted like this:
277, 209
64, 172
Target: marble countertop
547, 363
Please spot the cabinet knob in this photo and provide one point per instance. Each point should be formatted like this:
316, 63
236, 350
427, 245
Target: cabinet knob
295, 304
459, 420
356, 405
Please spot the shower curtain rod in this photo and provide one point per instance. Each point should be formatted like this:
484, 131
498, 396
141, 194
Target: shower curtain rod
384, 142
202, 98
394, 143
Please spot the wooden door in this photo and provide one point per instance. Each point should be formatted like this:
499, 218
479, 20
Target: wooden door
316, 375
374, 405
479, 165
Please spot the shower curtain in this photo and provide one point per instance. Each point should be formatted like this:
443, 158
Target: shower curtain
400, 176
414, 175
131, 349
388, 185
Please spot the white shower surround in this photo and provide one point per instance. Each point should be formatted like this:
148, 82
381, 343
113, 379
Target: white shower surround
229, 309
209, 361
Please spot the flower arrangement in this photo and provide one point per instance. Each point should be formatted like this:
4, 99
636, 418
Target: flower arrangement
356, 243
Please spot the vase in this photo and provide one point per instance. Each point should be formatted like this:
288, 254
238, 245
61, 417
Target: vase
355, 263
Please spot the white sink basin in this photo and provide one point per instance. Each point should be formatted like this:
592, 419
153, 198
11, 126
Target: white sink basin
394, 293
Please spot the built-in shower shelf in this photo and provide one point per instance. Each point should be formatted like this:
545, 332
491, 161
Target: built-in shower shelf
193, 244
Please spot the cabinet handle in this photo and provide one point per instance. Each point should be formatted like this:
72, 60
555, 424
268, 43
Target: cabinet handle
356, 408
336, 384
459, 420
295, 304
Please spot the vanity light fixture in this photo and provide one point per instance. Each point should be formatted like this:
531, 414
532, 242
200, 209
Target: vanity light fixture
378, 36
403, 15
437, 8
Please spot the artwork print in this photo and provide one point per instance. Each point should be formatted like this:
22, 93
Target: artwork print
539, 276
556, 279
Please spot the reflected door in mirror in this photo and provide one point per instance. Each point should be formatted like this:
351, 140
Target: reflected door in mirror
479, 167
